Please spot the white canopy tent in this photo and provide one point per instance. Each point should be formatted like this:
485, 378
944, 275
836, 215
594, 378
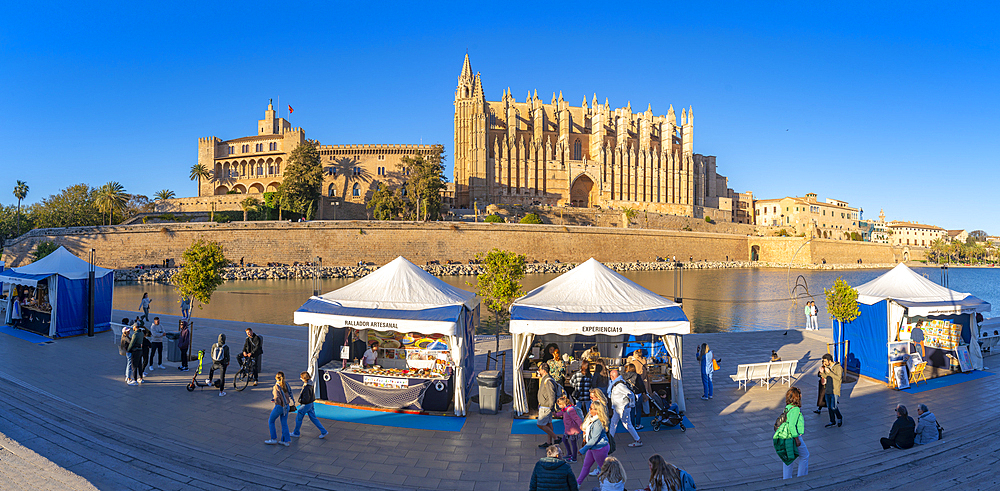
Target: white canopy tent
593, 299
398, 297
907, 293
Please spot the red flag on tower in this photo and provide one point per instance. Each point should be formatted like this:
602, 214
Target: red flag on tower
290, 110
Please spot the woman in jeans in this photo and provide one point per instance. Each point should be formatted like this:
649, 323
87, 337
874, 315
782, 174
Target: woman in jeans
281, 397
595, 437
306, 398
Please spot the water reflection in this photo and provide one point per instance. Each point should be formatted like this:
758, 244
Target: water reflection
715, 300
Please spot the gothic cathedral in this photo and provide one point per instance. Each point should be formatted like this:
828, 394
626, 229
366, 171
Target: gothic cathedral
586, 156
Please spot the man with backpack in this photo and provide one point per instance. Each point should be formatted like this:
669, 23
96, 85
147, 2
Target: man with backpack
253, 348
548, 392
622, 401
220, 360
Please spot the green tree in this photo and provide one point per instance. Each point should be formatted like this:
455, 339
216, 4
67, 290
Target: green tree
425, 179
978, 235
43, 249
199, 172
493, 219
20, 192
303, 178
532, 218
842, 302
385, 203
163, 194
74, 206
201, 273
499, 284
136, 204
249, 203
111, 198
9, 217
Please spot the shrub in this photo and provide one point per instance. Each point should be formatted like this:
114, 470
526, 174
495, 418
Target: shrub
709, 220
493, 219
531, 218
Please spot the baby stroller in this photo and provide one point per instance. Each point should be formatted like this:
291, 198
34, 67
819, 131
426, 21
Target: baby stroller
663, 415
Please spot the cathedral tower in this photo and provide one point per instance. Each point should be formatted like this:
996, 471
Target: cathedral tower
472, 177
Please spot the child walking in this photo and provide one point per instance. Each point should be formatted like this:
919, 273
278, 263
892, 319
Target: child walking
306, 399
572, 418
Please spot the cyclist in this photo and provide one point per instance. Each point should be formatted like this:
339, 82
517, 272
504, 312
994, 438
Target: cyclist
253, 348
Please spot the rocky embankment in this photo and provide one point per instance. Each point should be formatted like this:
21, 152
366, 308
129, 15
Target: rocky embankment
163, 275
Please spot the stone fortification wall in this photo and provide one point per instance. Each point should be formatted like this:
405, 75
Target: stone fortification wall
345, 243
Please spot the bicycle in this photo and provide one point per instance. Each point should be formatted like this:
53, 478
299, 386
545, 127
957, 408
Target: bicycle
241, 379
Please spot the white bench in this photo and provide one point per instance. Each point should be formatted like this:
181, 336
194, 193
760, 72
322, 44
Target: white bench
762, 373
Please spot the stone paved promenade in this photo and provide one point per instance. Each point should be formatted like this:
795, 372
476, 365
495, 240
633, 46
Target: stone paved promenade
68, 421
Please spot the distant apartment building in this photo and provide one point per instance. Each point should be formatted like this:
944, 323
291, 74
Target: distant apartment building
914, 234
879, 233
742, 207
832, 219
958, 236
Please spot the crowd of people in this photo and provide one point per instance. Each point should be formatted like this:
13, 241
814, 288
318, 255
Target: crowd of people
591, 402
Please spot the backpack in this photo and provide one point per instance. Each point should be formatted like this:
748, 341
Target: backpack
781, 420
219, 353
940, 430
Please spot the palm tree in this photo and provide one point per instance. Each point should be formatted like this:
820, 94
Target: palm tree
110, 198
199, 171
20, 192
249, 203
164, 194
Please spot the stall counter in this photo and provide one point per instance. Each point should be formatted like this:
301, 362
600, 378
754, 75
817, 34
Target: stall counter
387, 388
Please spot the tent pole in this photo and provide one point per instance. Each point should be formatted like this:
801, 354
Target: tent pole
90, 297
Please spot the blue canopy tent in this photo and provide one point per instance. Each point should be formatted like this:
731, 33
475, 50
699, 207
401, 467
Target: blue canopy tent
65, 278
398, 297
888, 304
592, 299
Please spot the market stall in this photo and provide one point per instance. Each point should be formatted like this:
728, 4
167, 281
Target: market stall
592, 305
907, 320
53, 295
423, 329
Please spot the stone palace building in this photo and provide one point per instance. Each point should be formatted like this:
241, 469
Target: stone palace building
589, 155
255, 165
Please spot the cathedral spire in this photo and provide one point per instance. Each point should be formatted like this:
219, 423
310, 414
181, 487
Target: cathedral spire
466, 68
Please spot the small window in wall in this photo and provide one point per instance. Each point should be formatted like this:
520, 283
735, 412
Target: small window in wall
272, 146
356, 190
232, 149
381, 157
577, 150
357, 172
331, 191
333, 171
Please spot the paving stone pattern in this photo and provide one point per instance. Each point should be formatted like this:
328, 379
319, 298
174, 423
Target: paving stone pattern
72, 410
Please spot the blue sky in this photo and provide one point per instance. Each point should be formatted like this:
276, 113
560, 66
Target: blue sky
883, 105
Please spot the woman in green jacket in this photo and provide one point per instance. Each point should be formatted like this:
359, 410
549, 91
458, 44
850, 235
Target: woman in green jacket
792, 429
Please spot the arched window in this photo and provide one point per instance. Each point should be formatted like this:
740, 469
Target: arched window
331, 192
356, 191
577, 150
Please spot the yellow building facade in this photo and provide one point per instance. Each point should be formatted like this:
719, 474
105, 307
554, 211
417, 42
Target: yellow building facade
833, 219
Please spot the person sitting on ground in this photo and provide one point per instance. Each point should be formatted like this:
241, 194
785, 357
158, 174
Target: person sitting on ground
927, 427
664, 476
901, 435
547, 393
552, 473
774, 356
612, 476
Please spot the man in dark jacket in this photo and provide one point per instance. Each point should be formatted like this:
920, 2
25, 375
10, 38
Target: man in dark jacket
135, 350
253, 348
183, 343
220, 361
553, 473
901, 435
